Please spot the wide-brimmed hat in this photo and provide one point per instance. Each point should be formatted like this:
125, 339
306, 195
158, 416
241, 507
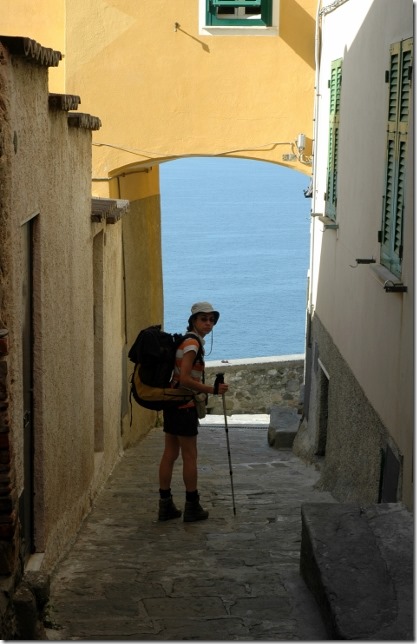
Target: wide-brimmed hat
204, 307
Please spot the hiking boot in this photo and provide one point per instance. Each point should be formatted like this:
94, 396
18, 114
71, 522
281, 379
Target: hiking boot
168, 510
194, 512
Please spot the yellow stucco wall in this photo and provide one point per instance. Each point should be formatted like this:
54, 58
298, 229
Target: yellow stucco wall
165, 92
142, 273
44, 22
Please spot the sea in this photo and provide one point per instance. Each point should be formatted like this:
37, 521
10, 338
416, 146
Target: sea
236, 233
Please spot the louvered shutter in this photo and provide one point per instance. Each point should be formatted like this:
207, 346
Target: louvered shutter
399, 93
333, 149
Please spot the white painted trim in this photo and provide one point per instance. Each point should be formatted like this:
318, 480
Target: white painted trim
323, 368
210, 30
238, 31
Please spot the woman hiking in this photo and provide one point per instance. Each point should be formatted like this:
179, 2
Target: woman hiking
181, 423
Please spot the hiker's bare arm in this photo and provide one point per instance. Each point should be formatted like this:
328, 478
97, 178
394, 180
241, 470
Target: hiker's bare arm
186, 379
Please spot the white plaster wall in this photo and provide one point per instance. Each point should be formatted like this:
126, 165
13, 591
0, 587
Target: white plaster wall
371, 329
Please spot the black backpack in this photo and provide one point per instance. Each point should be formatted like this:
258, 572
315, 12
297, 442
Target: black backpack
153, 354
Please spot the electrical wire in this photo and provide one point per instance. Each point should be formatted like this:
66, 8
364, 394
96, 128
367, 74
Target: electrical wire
148, 154
300, 156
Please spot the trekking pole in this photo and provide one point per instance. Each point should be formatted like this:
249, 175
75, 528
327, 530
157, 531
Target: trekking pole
220, 380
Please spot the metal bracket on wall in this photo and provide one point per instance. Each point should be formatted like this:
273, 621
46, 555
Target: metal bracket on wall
391, 287
328, 223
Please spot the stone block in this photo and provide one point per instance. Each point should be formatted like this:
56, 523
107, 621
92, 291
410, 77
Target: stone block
358, 563
26, 613
40, 584
283, 426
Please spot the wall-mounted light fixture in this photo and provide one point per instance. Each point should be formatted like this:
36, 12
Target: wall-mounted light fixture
301, 142
298, 147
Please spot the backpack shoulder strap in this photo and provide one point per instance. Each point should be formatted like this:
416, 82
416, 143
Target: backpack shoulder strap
194, 336
200, 352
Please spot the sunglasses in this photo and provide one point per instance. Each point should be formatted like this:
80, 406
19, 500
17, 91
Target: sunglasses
207, 318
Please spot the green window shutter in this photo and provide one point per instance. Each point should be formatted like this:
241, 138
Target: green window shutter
399, 92
394, 83
405, 87
389, 200
335, 84
331, 188
239, 13
399, 204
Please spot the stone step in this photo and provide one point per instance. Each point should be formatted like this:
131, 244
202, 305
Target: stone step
358, 563
283, 426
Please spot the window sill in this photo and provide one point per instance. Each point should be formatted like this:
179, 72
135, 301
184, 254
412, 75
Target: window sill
210, 30
328, 223
390, 282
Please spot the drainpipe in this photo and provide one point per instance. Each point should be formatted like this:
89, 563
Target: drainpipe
317, 43
308, 348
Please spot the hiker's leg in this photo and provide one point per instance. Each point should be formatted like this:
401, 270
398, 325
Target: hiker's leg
188, 446
166, 466
192, 510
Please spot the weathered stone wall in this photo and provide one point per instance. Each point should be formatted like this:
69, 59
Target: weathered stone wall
255, 384
343, 429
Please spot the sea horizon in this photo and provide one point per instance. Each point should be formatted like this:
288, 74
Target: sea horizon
235, 232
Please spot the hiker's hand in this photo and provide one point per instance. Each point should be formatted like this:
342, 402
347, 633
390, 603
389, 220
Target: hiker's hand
223, 388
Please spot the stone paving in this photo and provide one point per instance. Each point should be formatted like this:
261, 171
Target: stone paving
232, 577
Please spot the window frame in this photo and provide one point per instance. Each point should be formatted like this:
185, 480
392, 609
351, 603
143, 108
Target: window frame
266, 25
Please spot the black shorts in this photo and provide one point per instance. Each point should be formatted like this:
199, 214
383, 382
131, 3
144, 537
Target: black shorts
181, 422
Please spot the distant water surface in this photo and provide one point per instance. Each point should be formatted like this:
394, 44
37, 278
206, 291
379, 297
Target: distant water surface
235, 232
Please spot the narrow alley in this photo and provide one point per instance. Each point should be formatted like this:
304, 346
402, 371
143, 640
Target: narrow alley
232, 577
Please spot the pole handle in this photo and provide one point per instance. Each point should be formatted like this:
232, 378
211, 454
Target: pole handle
219, 381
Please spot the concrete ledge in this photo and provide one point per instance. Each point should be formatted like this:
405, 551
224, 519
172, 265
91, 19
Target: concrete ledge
358, 563
223, 365
283, 426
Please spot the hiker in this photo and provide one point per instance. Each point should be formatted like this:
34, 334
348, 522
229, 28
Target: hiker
181, 423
